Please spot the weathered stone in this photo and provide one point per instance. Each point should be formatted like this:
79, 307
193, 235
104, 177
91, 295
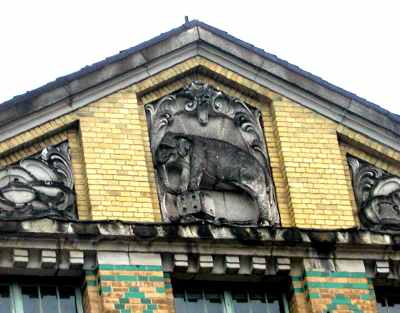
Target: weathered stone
206, 263
38, 186
377, 194
283, 265
48, 258
181, 262
76, 259
20, 257
258, 265
232, 264
211, 159
382, 268
145, 231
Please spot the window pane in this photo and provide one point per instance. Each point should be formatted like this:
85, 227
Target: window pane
67, 300
240, 301
30, 299
49, 299
195, 302
226, 298
393, 304
179, 302
381, 304
214, 302
258, 304
5, 299
275, 304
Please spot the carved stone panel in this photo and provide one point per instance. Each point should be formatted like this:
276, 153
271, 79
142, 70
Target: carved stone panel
210, 158
41, 185
377, 194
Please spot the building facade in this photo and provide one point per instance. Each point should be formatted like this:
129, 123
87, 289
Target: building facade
197, 173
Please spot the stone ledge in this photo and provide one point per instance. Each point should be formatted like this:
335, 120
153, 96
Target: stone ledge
249, 235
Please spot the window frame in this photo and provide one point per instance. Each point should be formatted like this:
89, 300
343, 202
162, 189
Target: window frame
16, 297
385, 292
226, 293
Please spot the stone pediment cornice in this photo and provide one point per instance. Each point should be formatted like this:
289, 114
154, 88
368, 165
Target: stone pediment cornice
191, 40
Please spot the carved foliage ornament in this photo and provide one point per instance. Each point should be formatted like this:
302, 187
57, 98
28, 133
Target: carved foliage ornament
377, 194
41, 185
210, 158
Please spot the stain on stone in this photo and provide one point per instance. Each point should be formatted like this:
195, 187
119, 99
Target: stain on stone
354, 236
396, 242
204, 232
10, 227
62, 227
145, 231
323, 241
292, 235
85, 229
246, 235
171, 231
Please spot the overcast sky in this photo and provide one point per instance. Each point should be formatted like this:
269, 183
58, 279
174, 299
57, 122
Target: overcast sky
353, 44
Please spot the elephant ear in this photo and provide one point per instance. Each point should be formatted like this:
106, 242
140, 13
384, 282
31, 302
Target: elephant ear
183, 147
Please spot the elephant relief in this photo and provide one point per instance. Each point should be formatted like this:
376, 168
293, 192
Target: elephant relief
210, 158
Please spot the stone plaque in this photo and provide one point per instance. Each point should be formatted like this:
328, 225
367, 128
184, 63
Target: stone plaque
38, 186
210, 158
377, 194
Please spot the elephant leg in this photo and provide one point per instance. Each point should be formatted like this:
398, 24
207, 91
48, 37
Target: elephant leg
254, 183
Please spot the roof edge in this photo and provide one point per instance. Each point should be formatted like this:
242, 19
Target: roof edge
67, 86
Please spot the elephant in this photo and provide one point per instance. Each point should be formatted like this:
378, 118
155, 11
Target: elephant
220, 163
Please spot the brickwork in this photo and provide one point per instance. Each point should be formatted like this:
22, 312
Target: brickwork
91, 296
317, 189
79, 173
114, 171
113, 145
135, 288
299, 303
336, 292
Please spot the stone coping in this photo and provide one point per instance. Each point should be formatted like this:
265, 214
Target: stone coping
202, 232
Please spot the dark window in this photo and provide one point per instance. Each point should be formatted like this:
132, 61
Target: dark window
211, 297
30, 298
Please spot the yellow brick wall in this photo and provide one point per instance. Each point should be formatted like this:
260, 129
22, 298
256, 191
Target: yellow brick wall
113, 147
317, 188
113, 166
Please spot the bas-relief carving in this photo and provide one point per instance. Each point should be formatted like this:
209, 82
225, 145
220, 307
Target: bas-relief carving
210, 158
377, 194
41, 185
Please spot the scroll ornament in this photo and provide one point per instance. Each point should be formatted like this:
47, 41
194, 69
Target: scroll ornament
377, 194
38, 186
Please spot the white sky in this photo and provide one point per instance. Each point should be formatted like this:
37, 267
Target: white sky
353, 44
